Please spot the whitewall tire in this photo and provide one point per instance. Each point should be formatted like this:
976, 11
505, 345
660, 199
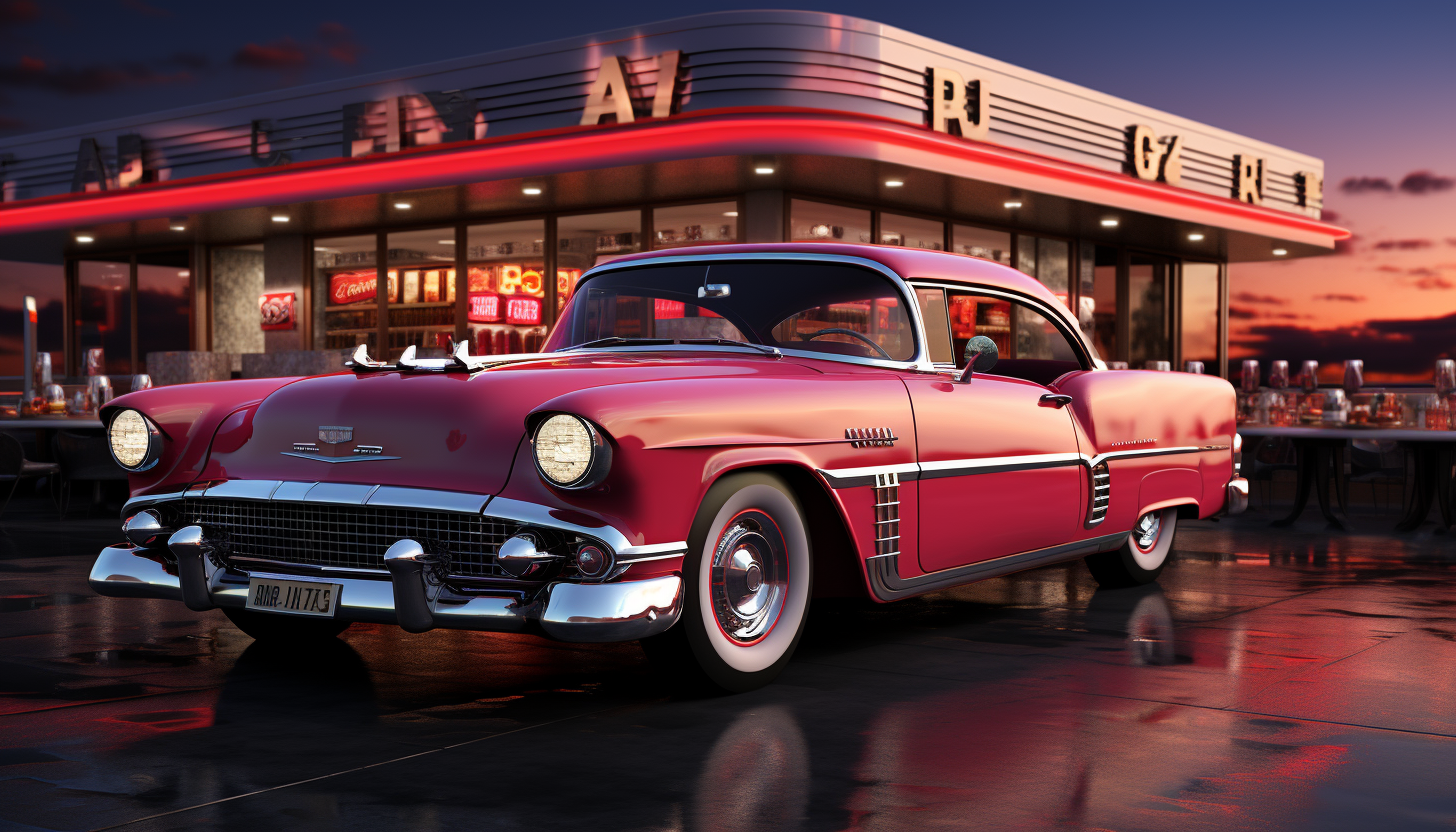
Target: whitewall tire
746, 578
1142, 556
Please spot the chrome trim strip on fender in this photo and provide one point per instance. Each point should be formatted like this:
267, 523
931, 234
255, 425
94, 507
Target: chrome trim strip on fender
886, 583
539, 515
854, 477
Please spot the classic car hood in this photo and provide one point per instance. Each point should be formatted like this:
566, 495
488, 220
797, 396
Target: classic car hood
436, 430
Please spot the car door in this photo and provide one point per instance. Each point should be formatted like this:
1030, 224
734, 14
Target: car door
1001, 472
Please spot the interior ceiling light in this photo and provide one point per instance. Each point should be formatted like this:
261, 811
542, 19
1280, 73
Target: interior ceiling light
85, 238
1195, 237
893, 183
403, 206
1012, 203
763, 169
531, 190
1280, 252
280, 218
1109, 223
730, 213
178, 224
447, 242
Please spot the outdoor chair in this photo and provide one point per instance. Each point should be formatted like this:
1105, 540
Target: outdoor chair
14, 467
84, 457
1375, 461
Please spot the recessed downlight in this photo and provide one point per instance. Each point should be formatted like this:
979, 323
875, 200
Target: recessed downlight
280, 218
764, 169
531, 190
730, 213
1109, 222
403, 206
1280, 252
1012, 203
1195, 237
85, 238
894, 183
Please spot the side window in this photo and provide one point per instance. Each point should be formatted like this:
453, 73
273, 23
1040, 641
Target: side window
1031, 346
937, 325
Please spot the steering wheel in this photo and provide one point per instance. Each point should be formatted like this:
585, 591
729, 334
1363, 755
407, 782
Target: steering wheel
837, 330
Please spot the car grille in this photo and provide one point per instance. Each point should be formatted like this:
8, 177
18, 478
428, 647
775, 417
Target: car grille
351, 537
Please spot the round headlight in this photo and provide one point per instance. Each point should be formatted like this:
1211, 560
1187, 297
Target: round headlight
570, 453
135, 443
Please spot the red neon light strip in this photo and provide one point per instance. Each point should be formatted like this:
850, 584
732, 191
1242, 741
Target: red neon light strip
733, 132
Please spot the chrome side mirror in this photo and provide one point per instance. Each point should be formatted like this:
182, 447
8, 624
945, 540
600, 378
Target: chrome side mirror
981, 356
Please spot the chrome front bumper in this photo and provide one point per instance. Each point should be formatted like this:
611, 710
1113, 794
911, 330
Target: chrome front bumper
1238, 496
618, 611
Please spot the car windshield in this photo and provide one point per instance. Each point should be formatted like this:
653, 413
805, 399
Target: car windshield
830, 308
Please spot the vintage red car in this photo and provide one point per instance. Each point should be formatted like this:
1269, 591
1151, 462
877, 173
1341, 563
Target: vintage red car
707, 441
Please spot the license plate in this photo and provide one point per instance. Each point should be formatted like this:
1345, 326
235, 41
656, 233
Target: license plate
293, 597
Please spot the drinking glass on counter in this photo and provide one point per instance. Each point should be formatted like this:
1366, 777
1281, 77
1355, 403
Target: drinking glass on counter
1445, 377
1309, 376
1117, 365
55, 398
1249, 378
1279, 375
1354, 376
1336, 406
1194, 367
99, 388
141, 381
1160, 366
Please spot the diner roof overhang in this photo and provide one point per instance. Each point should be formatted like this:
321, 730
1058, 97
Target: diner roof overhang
831, 154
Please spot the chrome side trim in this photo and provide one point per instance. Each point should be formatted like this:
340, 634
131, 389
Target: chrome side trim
244, 489
133, 503
854, 477
886, 583
992, 465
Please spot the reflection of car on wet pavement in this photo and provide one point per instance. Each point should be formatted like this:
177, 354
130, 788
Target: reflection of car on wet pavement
706, 442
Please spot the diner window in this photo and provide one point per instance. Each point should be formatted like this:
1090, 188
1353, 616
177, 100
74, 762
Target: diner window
237, 284
981, 242
709, 224
421, 290
820, 222
911, 232
1047, 260
1097, 303
163, 303
1198, 327
1147, 294
46, 282
584, 240
346, 280
103, 313
506, 283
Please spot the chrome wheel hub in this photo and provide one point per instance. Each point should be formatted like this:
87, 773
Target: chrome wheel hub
1146, 530
750, 577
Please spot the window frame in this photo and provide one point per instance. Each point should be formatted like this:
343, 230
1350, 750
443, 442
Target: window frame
1084, 355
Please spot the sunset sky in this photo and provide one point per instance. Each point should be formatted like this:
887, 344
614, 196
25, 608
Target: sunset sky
1368, 87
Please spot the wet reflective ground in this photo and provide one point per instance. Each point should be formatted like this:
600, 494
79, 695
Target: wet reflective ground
1276, 679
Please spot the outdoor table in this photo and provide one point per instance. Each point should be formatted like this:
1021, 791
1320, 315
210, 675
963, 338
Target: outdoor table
46, 426
1319, 454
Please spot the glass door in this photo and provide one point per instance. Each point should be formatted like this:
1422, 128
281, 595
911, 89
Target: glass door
1150, 328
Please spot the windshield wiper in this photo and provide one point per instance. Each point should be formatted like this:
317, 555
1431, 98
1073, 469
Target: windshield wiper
613, 340
729, 342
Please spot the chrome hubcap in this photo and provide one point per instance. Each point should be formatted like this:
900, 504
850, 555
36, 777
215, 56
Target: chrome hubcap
749, 578
1146, 531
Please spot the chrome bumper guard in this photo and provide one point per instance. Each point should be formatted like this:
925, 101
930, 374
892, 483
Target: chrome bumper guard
620, 611
1238, 496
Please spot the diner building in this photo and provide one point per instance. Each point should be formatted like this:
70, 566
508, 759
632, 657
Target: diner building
463, 199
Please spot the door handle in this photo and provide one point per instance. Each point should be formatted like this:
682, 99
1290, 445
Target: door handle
1055, 400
